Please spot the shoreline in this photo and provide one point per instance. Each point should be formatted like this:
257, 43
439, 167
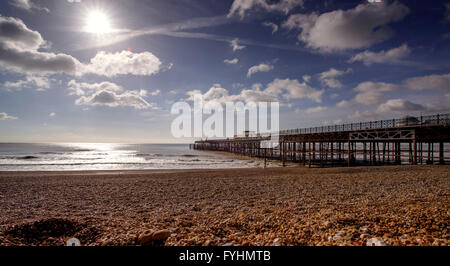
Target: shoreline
397, 205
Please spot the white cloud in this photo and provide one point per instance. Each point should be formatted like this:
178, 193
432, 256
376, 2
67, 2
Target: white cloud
221, 95
13, 32
241, 7
259, 68
36, 62
123, 63
329, 77
231, 61
376, 86
431, 82
107, 94
442, 105
306, 78
369, 97
279, 88
154, 93
344, 104
39, 82
356, 28
371, 93
235, 45
52, 114
28, 5
317, 109
402, 106
334, 122
294, 89
5, 116
363, 115
271, 25
399, 106
391, 56
19, 52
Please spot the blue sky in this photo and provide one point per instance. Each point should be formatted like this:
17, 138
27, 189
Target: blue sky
109, 71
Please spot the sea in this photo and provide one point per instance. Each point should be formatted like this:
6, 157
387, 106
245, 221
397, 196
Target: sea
112, 156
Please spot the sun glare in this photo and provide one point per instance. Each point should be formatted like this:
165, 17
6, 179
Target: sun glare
98, 22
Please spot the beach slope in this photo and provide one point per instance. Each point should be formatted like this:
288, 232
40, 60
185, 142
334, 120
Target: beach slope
390, 205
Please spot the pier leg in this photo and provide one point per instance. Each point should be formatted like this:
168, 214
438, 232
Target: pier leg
265, 158
349, 155
309, 157
414, 162
441, 153
332, 155
365, 152
304, 153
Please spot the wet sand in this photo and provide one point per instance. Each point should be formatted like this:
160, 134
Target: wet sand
389, 205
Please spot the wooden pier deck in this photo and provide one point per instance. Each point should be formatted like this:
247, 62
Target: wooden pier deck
409, 140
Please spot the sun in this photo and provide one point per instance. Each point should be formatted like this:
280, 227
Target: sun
98, 22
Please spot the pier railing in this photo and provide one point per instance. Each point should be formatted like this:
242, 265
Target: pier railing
430, 120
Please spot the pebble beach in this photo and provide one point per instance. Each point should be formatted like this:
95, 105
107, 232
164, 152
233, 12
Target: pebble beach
292, 206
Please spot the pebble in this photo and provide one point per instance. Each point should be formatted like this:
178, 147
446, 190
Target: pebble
375, 242
276, 241
161, 235
339, 235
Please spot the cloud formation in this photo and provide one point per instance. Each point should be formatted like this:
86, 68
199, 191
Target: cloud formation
235, 45
271, 25
19, 52
28, 5
5, 116
396, 106
107, 94
390, 56
259, 68
123, 63
219, 94
293, 89
356, 28
41, 83
231, 61
329, 78
242, 7
369, 91
317, 109
276, 90
431, 82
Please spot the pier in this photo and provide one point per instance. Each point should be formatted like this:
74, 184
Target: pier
408, 140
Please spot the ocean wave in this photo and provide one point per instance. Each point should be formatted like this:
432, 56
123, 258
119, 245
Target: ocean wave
27, 157
192, 160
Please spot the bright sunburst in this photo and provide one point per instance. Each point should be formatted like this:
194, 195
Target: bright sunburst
98, 22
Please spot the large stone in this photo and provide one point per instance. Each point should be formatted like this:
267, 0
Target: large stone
145, 238
161, 235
